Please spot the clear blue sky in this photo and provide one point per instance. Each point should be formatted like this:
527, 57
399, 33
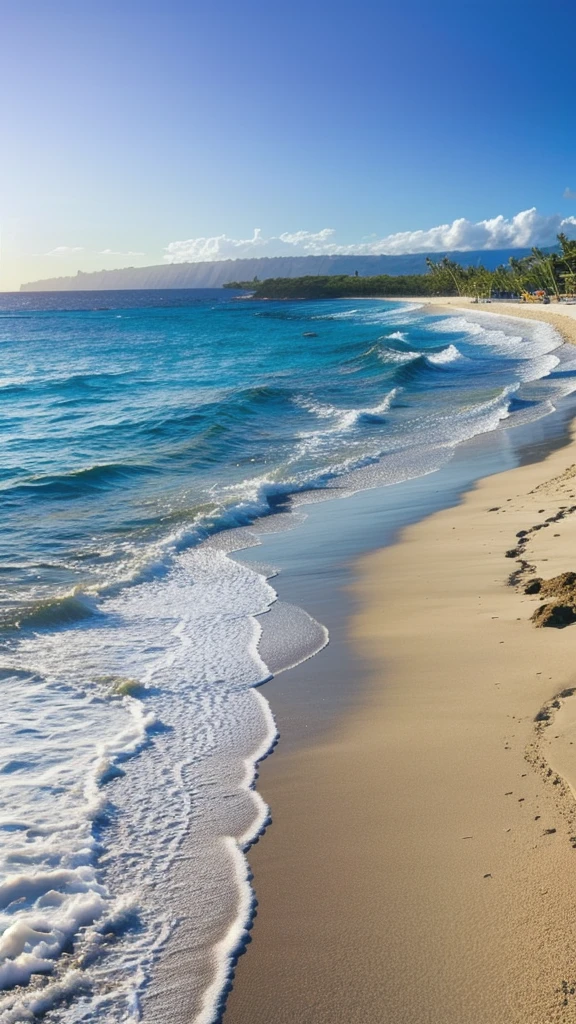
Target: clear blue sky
130, 125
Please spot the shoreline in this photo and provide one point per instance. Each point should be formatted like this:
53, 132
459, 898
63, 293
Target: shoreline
561, 317
374, 904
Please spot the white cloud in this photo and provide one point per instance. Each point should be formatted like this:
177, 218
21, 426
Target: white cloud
569, 194
308, 239
525, 229
114, 252
221, 247
62, 250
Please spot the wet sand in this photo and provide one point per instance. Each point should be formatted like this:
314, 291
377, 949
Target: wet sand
420, 868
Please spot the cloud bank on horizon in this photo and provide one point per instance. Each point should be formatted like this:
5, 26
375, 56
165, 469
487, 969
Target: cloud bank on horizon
524, 230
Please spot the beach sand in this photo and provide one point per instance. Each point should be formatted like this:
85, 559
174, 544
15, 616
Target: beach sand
560, 315
421, 867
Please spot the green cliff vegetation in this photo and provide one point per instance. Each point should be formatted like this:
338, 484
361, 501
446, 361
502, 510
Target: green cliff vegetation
551, 272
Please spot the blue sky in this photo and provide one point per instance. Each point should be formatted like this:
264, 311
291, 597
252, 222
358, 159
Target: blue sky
134, 126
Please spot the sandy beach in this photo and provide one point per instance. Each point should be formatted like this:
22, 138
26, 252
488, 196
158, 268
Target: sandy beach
421, 867
560, 315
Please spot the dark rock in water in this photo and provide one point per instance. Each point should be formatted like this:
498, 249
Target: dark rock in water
512, 553
309, 334
533, 586
542, 716
555, 615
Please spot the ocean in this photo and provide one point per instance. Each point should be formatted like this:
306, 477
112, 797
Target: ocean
143, 435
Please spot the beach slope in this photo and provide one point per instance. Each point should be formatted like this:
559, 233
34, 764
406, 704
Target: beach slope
422, 864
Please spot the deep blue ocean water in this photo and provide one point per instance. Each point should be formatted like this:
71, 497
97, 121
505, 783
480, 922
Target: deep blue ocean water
137, 429
132, 422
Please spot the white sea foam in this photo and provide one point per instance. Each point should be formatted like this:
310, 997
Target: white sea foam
534, 337
394, 355
440, 358
344, 419
445, 356
109, 786
372, 314
536, 349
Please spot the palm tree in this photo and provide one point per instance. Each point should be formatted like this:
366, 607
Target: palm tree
546, 264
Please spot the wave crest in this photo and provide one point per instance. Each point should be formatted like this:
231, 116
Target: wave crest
51, 612
347, 418
445, 356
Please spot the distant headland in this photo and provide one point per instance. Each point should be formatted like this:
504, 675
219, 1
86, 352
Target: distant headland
217, 273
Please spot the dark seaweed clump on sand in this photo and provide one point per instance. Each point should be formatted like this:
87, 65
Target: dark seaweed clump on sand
560, 611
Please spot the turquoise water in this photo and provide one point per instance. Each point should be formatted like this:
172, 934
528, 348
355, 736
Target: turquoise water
125, 426
134, 437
